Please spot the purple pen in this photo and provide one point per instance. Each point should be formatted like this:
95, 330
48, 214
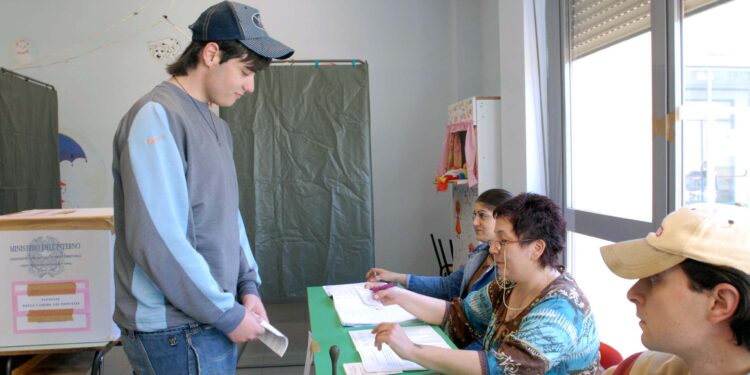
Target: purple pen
383, 287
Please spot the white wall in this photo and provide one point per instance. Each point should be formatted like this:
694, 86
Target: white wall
513, 92
468, 52
489, 21
521, 161
496, 55
423, 55
410, 46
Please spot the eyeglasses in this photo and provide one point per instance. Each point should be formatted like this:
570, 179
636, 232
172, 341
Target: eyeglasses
500, 244
483, 215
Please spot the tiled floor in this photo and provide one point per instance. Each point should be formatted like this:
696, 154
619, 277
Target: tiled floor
256, 359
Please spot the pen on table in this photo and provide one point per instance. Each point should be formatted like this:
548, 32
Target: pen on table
383, 287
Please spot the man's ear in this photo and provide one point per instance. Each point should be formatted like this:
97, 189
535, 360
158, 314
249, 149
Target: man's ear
211, 54
724, 301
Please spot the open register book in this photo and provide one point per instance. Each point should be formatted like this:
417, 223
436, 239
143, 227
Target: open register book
355, 307
386, 360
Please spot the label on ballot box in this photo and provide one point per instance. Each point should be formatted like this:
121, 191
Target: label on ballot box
56, 284
51, 307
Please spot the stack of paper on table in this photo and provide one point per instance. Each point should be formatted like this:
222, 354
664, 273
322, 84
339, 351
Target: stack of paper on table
357, 369
386, 360
332, 289
355, 307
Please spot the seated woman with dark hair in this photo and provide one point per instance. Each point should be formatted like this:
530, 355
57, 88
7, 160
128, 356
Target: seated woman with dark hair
533, 319
478, 271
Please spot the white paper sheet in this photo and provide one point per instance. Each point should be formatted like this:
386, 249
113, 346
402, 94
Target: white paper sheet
349, 302
357, 368
365, 295
352, 312
331, 289
375, 360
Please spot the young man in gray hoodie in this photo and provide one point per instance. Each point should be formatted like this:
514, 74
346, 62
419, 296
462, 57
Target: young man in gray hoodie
186, 281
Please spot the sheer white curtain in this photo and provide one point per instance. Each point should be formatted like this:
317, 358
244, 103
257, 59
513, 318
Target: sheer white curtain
538, 153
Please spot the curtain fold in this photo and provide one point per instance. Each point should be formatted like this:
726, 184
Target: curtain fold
29, 162
302, 152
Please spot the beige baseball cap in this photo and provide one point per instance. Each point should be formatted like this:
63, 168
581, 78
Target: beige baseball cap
711, 233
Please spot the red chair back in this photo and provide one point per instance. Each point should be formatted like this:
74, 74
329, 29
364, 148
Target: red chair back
609, 356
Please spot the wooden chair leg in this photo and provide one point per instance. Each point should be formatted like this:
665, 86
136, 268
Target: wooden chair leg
312, 346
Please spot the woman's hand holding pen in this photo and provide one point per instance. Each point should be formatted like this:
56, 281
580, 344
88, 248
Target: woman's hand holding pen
379, 274
387, 294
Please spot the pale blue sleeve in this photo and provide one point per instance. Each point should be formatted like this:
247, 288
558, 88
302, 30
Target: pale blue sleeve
249, 277
443, 287
157, 215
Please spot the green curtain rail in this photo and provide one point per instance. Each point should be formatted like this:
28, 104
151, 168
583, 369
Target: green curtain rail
318, 62
27, 79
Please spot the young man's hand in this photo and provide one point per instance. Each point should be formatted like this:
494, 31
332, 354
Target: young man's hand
254, 304
249, 329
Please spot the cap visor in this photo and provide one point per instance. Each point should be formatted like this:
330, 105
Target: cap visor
268, 47
636, 259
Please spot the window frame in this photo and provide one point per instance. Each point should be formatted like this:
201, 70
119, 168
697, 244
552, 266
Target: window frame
666, 21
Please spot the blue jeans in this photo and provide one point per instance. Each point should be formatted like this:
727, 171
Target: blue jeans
189, 349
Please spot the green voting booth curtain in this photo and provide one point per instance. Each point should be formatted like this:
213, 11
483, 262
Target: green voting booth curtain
302, 151
29, 163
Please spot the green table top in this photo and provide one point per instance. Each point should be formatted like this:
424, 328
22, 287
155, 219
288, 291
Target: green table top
327, 331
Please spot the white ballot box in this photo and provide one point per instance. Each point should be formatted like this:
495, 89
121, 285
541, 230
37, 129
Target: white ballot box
56, 278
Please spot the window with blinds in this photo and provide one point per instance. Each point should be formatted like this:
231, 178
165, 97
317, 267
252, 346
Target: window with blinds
597, 24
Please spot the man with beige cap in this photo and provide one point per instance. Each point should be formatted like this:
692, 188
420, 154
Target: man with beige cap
692, 293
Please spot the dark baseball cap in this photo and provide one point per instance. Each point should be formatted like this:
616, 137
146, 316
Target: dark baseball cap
229, 20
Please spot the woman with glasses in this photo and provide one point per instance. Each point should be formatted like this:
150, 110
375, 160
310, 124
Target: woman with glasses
533, 319
478, 270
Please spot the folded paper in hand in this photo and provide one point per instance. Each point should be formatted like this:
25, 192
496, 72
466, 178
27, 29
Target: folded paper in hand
274, 339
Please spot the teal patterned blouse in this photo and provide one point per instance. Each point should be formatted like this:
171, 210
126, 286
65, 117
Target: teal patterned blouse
555, 334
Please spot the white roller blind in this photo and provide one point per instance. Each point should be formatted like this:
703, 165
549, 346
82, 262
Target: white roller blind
601, 23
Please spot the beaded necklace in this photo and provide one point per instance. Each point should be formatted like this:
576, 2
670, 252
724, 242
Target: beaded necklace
210, 124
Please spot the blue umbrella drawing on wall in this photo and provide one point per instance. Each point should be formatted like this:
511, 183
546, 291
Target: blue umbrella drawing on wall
69, 149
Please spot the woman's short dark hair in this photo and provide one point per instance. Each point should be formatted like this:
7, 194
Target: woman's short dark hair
705, 276
536, 217
229, 49
494, 197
